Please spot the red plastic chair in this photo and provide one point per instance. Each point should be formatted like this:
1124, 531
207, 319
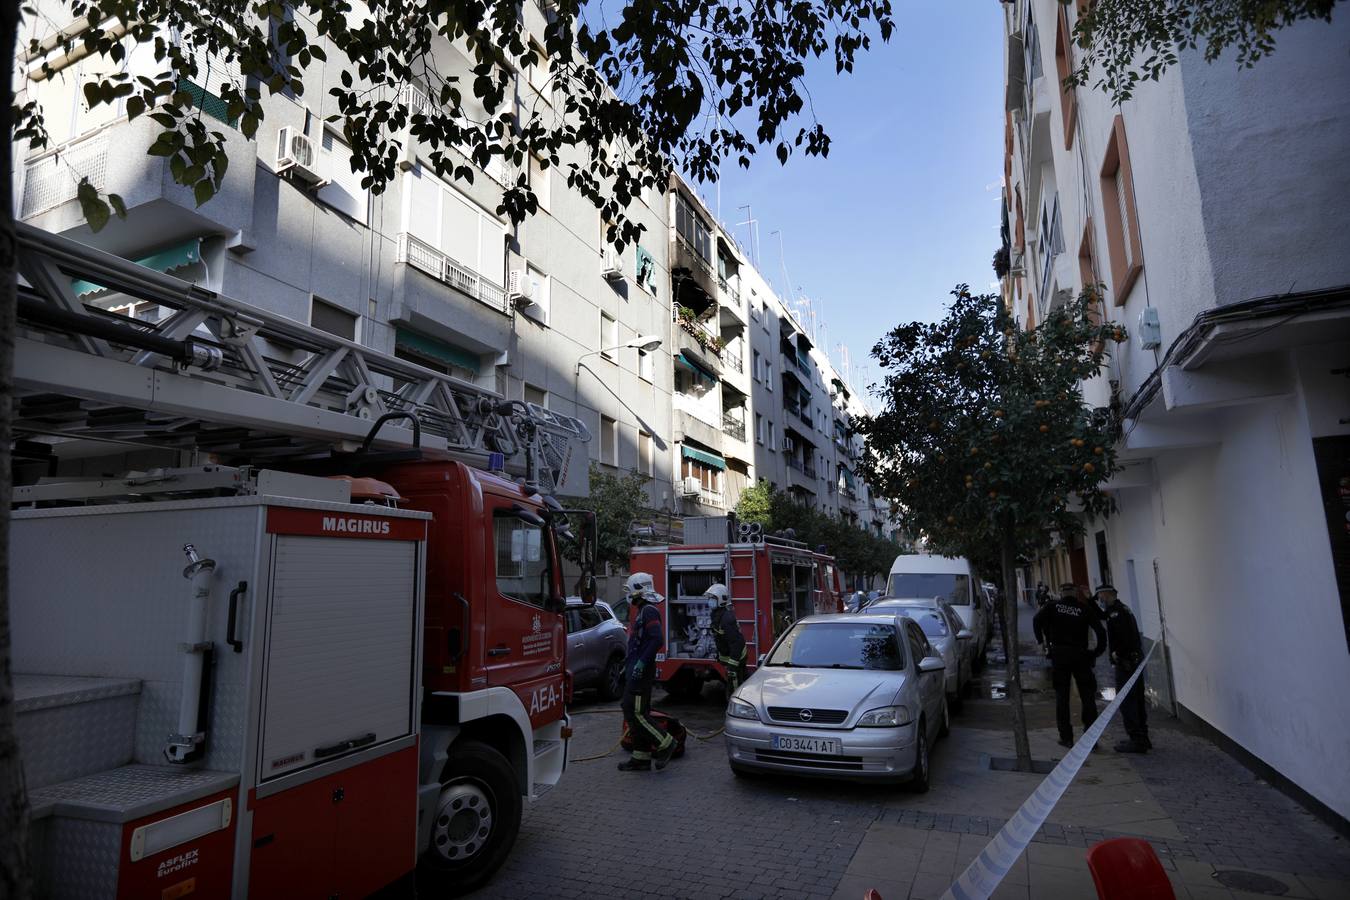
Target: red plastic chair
1128, 869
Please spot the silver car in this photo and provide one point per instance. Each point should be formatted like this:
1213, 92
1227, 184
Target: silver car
948, 635
597, 644
855, 696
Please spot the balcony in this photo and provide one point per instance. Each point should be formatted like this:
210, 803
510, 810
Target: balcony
159, 210
421, 255
733, 425
694, 337
735, 363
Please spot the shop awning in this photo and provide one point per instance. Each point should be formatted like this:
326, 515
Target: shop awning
703, 456
421, 345
167, 260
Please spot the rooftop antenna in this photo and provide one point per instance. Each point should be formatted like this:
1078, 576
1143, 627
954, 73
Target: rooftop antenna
753, 223
782, 261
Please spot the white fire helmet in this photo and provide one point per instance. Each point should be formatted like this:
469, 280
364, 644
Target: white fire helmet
640, 584
719, 594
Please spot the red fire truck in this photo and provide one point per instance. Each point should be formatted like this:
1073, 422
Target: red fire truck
263, 680
773, 581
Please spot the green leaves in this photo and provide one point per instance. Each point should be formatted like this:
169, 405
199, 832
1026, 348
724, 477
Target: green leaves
94, 208
1126, 42
616, 499
985, 432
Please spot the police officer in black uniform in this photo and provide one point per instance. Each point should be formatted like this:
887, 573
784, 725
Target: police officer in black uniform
1062, 626
1127, 649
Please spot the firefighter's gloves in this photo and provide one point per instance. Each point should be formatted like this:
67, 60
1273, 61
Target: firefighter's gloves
638, 668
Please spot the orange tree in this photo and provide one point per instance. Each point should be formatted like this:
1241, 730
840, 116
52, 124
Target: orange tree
984, 442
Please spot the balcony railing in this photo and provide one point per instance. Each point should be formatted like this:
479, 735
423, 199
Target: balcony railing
421, 255
705, 336
54, 177
733, 426
736, 362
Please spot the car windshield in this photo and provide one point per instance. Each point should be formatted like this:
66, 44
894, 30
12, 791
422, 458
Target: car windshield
839, 645
952, 588
932, 621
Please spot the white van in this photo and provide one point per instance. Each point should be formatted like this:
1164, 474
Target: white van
925, 576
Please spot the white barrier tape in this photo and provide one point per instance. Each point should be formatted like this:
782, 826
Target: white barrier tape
980, 878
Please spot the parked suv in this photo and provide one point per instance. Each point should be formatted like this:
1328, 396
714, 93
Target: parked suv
597, 643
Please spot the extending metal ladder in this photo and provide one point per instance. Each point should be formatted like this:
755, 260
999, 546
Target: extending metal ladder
229, 378
747, 556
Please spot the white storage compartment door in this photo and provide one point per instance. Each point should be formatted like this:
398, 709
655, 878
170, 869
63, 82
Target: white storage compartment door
340, 649
698, 562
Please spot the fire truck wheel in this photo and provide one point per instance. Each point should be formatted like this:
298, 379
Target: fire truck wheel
611, 681
477, 818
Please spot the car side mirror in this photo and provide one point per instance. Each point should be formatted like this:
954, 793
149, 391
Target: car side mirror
932, 664
964, 634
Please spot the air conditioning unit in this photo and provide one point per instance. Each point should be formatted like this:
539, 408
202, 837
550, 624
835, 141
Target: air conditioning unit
520, 288
690, 487
612, 265
297, 156
789, 444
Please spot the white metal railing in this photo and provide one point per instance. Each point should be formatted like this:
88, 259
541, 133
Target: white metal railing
421, 255
54, 177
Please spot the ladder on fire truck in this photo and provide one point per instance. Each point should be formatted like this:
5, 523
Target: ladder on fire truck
243, 383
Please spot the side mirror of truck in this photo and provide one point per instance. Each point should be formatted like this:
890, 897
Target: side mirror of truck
588, 589
527, 515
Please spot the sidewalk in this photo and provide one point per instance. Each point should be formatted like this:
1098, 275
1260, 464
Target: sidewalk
1204, 813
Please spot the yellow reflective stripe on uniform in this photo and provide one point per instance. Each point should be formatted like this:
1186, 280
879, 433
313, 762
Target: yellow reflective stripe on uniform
661, 737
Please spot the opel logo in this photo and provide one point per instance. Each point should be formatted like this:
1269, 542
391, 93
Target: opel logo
805, 715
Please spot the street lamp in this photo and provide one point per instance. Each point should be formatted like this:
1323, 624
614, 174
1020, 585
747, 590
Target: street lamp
644, 342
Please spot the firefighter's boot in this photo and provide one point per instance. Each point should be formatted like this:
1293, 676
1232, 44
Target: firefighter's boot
664, 752
636, 765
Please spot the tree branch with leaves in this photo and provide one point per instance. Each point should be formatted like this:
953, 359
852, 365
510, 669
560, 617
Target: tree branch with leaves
1126, 42
985, 443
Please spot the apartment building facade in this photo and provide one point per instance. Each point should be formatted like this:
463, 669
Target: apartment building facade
803, 411
544, 311
1212, 208
428, 270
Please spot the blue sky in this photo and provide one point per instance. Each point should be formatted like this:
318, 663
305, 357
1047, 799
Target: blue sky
906, 205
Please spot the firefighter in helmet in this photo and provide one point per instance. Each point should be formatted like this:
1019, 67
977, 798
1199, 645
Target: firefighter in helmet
644, 642
727, 633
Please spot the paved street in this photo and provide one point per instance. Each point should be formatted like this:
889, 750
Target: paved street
706, 833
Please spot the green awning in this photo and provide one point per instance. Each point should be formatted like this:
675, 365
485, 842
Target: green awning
440, 351
166, 260
703, 456
698, 365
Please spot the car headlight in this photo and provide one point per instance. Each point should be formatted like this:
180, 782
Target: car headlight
739, 709
885, 717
